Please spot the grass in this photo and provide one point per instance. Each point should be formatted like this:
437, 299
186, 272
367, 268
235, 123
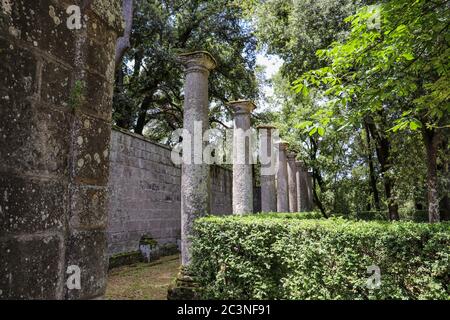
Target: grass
142, 281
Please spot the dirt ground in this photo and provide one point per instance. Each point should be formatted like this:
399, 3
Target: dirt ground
142, 281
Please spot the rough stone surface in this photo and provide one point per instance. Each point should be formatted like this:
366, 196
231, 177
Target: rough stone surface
31, 267
242, 156
282, 179
302, 187
292, 182
195, 180
309, 183
268, 162
145, 193
54, 138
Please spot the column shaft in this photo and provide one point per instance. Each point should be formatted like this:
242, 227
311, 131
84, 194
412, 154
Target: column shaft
282, 179
195, 182
302, 187
292, 182
309, 180
242, 158
268, 162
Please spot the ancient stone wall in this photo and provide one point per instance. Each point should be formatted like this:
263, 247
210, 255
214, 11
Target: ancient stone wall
55, 110
145, 188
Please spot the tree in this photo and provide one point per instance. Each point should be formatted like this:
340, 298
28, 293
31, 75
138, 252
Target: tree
295, 30
148, 93
123, 42
399, 69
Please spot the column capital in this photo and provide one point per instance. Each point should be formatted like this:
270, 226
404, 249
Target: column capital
267, 127
242, 106
282, 145
291, 156
197, 61
300, 164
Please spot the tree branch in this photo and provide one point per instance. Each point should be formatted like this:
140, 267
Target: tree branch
123, 43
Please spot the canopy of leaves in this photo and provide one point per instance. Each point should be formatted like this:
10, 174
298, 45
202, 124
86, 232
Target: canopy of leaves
366, 85
149, 89
396, 58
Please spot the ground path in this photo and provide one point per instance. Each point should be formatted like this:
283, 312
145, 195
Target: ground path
142, 281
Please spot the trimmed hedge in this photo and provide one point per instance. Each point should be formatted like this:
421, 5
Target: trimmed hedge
296, 257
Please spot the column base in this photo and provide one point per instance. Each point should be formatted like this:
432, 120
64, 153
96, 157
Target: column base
184, 287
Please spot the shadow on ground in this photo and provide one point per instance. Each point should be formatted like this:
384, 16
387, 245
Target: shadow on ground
142, 281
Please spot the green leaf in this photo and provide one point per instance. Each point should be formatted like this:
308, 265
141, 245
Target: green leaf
413, 125
313, 131
304, 124
321, 131
408, 56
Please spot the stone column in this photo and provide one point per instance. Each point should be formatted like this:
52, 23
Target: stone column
301, 187
195, 173
309, 180
242, 158
56, 87
268, 170
292, 182
282, 179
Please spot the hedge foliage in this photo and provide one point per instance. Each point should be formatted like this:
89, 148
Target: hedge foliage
301, 257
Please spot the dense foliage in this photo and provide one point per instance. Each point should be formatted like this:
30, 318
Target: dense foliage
362, 95
391, 70
272, 257
149, 85
371, 110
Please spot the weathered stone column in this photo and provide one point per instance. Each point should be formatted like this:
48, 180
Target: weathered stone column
195, 173
292, 181
282, 179
56, 86
268, 170
242, 156
309, 180
302, 194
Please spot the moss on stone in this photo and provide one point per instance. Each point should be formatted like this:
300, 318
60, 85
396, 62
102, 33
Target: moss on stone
77, 95
127, 258
148, 241
110, 11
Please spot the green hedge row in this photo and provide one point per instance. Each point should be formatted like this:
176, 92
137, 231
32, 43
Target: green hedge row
298, 257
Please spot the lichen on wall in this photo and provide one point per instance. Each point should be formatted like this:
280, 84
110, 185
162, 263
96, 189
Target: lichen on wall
110, 12
54, 142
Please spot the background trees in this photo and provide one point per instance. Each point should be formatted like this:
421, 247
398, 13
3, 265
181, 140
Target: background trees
370, 110
148, 91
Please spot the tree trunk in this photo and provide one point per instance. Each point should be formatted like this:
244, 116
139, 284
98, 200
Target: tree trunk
392, 205
373, 179
317, 199
383, 150
141, 121
431, 139
444, 205
123, 43
123, 116
317, 179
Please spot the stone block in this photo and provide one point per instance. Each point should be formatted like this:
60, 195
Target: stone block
30, 267
89, 207
55, 87
30, 205
101, 56
42, 24
81, 248
18, 77
34, 139
91, 151
97, 96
